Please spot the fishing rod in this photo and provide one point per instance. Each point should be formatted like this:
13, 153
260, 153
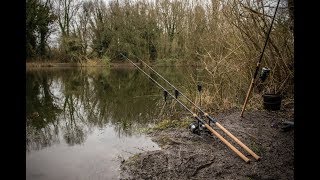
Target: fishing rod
234, 149
213, 120
258, 64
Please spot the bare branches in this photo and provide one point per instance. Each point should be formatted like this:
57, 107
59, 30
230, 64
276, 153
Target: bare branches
224, 36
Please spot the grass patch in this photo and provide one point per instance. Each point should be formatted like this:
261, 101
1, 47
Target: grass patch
166, 124
132, 160
257, 148
164, 140
145, 130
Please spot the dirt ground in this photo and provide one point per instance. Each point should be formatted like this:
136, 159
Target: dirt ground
185, 155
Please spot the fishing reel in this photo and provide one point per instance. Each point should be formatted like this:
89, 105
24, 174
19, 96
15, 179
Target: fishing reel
197, 127
264, 74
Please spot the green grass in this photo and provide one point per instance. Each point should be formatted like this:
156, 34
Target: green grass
132, 160
258, 149
166, 124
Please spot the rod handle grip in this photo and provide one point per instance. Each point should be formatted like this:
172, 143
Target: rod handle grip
238, 141
234, 149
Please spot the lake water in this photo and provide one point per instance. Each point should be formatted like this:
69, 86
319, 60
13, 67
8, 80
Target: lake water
81, 122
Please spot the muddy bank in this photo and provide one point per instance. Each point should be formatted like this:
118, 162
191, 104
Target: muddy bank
188, 156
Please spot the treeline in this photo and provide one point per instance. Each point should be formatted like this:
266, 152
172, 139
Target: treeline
151, 29
225, 36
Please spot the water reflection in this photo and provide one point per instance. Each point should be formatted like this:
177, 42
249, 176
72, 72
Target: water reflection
80, 119
65, 104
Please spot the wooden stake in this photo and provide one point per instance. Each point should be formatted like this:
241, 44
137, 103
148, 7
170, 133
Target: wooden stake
247, 97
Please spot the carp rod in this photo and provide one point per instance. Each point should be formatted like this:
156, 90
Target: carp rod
207, 115
234, 149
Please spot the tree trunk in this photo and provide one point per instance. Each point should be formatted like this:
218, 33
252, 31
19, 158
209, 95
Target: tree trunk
291, 14
42, 43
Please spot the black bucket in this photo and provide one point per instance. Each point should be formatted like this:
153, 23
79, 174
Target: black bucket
272, 102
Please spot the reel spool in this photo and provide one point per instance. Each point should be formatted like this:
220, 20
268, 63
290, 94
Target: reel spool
196, 127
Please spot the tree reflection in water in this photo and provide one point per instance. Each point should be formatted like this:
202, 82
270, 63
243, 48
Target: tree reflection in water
65, 104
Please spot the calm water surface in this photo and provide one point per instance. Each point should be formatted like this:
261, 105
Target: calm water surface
81, 122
